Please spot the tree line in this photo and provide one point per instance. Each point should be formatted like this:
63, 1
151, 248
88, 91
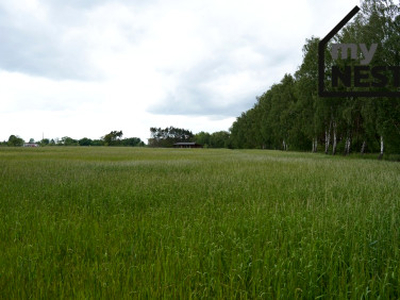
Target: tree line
167, 137
114, 138
160, 137
291, 115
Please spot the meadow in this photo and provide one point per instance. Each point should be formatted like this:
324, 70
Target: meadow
134, 223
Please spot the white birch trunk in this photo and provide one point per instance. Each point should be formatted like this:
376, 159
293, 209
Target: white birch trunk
347, 146
363, 147
285, 146
326, 141
382, 148
315, 145
328, 138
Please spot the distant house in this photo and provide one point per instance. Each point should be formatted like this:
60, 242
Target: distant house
187, 145
31, 145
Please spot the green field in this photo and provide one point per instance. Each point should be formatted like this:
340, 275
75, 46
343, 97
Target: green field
126, 223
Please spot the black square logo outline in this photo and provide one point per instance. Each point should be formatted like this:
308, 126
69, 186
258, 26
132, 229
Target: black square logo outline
321, 66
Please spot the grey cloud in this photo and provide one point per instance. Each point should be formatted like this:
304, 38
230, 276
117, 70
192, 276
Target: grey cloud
40, 49
75, 3
41, 56
37, 49
193, 96
88, 4
198, 102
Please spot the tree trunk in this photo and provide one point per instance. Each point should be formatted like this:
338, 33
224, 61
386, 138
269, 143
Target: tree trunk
285, 146
347, 145
314, 145
328, 138
382, 147
334, 139
363, 147
326, 142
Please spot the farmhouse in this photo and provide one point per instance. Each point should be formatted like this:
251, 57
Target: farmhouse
187, 145
31, 145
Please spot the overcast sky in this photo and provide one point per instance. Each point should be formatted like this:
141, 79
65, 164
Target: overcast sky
82, 68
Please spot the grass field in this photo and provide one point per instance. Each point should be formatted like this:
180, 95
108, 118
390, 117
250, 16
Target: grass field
126, 223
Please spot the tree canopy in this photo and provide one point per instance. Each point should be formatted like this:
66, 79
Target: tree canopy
168, 136
291, 115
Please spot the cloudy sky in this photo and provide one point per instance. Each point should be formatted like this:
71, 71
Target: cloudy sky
82, 68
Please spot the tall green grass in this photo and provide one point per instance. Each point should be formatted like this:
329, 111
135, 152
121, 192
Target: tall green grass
127, 223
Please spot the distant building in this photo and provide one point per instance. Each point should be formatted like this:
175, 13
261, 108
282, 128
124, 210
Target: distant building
33, 145
187, 145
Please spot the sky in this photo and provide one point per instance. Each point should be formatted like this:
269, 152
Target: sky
83, 68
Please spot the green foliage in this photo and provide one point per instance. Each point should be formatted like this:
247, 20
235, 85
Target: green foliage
220, 139
134, 141
169, 136
290, 115
15, 141
44, 142
141, 223
67, 141
113, 138
203, 138
97, 143
85, 142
